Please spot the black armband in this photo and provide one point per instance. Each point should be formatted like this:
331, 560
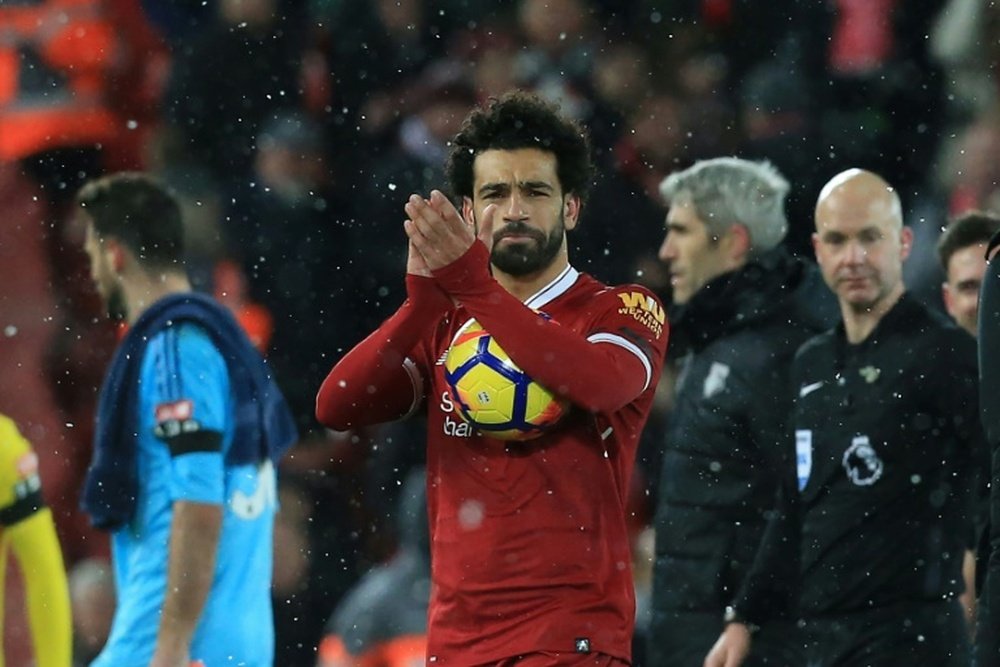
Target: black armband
22, 508
194, 441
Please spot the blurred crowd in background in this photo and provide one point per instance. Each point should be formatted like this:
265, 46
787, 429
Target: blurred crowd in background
293, 131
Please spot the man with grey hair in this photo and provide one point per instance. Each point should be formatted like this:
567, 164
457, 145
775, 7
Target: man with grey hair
743, 306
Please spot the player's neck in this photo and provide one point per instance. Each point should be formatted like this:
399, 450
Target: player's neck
142, 289
858, 324
523, 287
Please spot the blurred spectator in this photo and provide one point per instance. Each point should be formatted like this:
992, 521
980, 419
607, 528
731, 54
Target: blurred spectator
623, 218
179, 21
92, 596
922, 273
557, 53
202, 205
962, 252
382, 622
621, 79
879, 93
299, 607
708, 109
229, 286
288, 227
974, 171
491, 51
435, 107
776, 123
374, 49
968, 175
964, 44
395, 449
136, 83
240, 70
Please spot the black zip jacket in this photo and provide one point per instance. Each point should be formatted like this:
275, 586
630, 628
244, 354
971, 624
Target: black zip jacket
887, 439
722, 447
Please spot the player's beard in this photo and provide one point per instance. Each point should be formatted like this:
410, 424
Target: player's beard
522, 259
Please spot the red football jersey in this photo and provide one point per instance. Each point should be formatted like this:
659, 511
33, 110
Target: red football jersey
530, 547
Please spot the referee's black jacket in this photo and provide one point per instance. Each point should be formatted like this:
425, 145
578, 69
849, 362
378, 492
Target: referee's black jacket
887, 439
718, 477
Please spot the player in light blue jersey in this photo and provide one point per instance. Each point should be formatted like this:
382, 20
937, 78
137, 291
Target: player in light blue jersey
190, 427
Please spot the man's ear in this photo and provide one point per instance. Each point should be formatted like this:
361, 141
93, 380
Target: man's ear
905, 242
949, 302
115, 254
737, 244
571, 211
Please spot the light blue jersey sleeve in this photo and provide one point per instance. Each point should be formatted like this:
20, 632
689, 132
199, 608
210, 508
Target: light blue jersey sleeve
191, 398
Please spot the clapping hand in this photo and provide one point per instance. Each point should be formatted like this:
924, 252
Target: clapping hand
438, 234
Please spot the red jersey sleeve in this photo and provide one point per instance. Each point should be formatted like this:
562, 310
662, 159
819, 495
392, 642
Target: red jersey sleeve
606, 369
376, 381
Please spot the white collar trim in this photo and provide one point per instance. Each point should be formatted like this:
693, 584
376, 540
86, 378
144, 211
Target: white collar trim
559, 286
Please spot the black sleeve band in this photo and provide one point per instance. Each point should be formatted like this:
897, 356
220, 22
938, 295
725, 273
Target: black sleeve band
195, 441
21, 509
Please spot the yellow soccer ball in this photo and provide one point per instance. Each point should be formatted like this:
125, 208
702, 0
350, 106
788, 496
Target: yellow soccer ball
492, 393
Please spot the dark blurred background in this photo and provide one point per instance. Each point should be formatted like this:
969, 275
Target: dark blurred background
293, 130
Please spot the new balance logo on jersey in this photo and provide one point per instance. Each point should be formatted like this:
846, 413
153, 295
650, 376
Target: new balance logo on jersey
582, 645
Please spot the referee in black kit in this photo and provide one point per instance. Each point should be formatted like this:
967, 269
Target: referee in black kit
988, 630
886, 431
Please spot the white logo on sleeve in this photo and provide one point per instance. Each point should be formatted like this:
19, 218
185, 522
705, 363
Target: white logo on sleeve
810, 388
250, 506
715, 382
803, 455
862, 462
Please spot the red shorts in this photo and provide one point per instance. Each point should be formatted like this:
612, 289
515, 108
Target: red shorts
550, 659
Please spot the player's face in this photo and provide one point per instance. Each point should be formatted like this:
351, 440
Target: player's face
966, 269
860, 247
102, 273
693, 256
533, 214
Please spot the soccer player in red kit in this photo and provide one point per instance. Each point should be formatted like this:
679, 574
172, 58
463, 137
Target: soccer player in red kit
529, 548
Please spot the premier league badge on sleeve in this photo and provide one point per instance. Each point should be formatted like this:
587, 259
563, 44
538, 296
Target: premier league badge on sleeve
803, 456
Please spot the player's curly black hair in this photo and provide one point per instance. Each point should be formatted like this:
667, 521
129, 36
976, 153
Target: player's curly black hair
521, 120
